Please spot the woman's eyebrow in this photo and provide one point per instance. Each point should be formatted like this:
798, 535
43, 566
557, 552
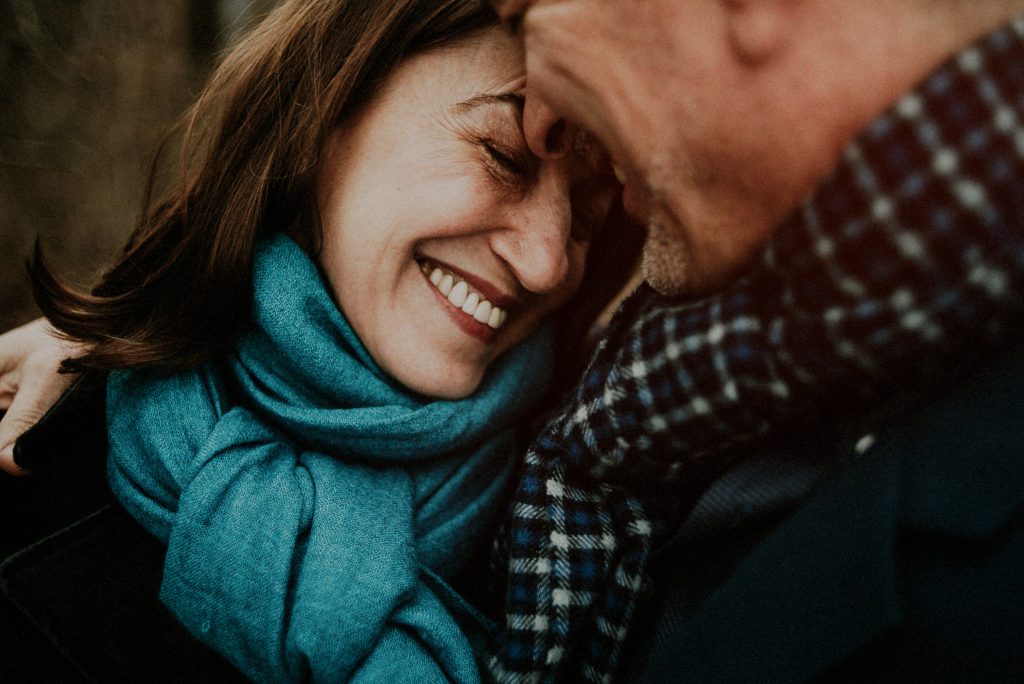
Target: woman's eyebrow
514, 100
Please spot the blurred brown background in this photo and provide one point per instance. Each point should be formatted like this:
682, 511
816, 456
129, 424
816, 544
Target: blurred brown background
87, 89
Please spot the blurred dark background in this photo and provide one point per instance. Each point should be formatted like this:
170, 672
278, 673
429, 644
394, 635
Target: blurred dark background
87, 89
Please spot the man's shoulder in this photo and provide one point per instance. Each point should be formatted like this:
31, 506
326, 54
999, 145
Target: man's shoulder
885, 562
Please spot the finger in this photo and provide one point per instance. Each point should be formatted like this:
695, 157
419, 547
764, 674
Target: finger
15, 422
34, 398
8, 388
8, 465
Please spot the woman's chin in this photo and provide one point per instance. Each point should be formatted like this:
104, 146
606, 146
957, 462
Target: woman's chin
448, 384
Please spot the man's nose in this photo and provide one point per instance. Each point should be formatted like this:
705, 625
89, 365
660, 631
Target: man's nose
547, 133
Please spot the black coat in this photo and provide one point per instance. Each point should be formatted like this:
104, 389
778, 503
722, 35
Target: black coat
80, 578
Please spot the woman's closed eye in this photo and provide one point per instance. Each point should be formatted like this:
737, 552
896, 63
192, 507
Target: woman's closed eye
509, 166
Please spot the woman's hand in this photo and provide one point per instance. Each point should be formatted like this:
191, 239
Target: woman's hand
30, 383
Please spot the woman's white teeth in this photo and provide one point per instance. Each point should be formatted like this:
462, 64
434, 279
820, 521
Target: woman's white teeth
446, 285
471, 303
458, 294
483, 312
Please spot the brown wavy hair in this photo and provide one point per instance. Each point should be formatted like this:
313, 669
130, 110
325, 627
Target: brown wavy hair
250, 145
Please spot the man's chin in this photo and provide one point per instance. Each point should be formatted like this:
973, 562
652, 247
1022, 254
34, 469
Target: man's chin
665, 260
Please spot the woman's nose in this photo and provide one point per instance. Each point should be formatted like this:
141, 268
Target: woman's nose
547, 133
535, 244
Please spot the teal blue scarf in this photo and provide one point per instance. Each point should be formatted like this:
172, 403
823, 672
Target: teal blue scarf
314, 508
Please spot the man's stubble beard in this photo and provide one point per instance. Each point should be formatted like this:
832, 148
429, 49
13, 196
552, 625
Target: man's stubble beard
666, 257
665, 261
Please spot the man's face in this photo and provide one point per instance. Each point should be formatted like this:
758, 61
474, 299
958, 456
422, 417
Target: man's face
710, 162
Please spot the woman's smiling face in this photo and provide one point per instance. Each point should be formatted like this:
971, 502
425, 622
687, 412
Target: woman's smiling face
445, 241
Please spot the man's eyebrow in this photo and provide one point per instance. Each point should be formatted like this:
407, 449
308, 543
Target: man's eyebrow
514, 100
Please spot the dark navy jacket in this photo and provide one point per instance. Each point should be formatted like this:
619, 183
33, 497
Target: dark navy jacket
906, 565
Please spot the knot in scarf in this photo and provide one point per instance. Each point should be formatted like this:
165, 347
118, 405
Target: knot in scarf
313, 507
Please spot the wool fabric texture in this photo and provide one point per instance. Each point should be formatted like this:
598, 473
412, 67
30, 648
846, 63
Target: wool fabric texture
315, 509
906, 263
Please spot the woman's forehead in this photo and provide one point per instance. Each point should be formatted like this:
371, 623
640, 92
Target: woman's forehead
488, 63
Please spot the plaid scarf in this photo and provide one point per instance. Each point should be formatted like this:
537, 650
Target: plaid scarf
910, 255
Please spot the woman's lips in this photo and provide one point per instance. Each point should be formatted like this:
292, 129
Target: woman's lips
473, 314
487, 289
466, 323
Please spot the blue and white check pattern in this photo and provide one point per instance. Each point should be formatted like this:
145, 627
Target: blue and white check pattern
907, 261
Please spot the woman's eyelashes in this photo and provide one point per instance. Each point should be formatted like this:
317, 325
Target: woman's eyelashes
511, 165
